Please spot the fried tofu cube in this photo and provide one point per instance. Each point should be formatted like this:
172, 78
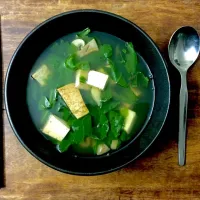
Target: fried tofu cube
41, 75
56, 128
72, 97
88, 48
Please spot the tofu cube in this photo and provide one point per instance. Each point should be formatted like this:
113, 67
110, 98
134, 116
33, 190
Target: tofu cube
72, 97
41, 75
88, 48
129, 121
114, 144
97, 79
56, 128
102, 148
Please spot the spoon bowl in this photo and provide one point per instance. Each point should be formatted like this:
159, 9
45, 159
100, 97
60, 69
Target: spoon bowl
183, 50
184, 47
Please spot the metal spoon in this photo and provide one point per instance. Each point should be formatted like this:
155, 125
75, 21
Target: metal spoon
183, 49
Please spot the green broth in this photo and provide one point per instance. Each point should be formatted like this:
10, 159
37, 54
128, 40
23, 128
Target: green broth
55, 56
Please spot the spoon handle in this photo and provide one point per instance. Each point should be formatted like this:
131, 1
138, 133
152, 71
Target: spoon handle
182, 118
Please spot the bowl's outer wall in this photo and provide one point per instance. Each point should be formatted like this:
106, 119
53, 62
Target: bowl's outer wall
32, 47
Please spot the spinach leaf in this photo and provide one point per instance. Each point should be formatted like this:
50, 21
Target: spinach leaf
102, 127
87, 121
66, 142
131, 58
116, 122
65, 112
81, 127
84, 32
106, 50
53, 97
44, 103
124, 136
47, 103
109, 105
125, 95
106, 95
84, 65
95, 113
116, 75
70, 62
140, 80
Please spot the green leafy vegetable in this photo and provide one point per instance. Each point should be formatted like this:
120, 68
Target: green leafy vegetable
109, 105
116, 122
124, 136
106, 95
84, 65
65, 112
116, 75
53, 97
84, 32
47, 103
131, 58
81, 128
125, 95
82, 79
70, 62
102, 127
106, 49
124, 50
66, 142
140, 80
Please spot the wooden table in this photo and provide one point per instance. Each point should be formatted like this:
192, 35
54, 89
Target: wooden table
154, 176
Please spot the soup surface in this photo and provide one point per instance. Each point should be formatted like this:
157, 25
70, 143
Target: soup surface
91, 92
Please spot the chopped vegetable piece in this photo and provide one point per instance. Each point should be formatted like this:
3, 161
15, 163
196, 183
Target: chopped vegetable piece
140, 80
102, 127
97, 79
102, 148
109, 105
116, 76
116, 122
83, 65
72, 97
130, 118
88, 48
82, 127
106, 49
83, 32
96, 95
41, 75
79, 43
65, 143
136, 91
70, 62
53, 97
106, 95
131, 59
47, 104
88, 142
80, 83
56, 128
114, 144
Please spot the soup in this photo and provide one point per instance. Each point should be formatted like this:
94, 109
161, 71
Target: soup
89, 92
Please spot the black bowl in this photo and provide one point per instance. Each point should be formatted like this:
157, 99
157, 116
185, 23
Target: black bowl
27, 53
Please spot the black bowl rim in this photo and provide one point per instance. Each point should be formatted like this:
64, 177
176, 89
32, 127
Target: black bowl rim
34, 30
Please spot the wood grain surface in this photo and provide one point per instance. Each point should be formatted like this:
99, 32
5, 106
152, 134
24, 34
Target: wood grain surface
156, 175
